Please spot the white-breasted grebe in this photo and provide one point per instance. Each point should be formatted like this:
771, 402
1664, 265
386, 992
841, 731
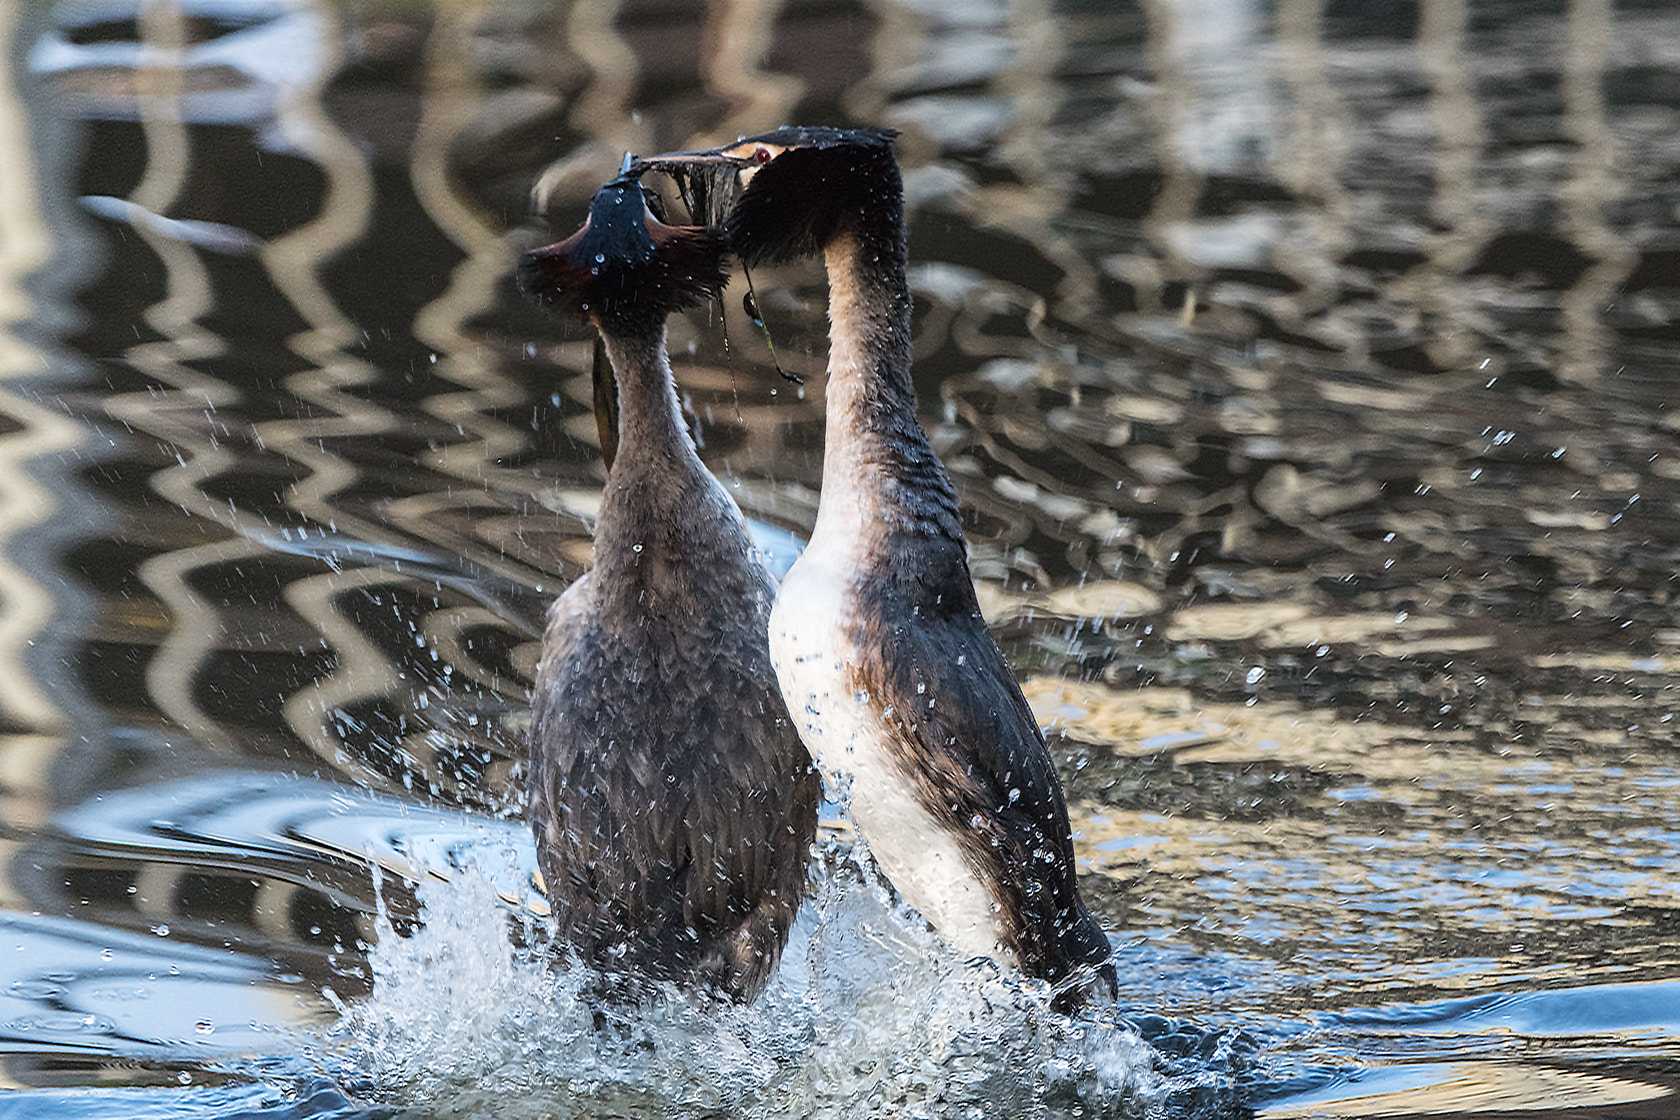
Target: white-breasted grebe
899, 690
673, 805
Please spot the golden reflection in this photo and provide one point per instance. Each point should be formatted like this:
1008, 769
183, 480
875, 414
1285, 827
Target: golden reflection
1167, 109
27, 607
1274, 824
738, 35
1450, 328
159, 86
180, 414
1098, 600
455, 95
1471, 1088
1583, 340
604, 110
1361, 779
1150, 720
361, 670
197, 630
295, 261
1311, 167
1030, 209
899, 42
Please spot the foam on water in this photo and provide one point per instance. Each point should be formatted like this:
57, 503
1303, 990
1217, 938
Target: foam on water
869, 1015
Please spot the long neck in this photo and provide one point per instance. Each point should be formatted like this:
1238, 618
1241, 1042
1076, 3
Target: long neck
656, 466
876, 459
669, 540
649, 417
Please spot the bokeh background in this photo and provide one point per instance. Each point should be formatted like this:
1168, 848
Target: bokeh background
1307, 369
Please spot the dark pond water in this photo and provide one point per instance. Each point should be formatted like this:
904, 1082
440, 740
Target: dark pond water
1309, 373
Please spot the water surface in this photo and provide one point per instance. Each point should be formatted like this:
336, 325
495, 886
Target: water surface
1306, 371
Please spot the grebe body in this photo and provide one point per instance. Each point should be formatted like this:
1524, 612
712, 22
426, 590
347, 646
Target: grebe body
880, 648
672, 802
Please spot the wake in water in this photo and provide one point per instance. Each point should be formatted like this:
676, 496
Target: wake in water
869, 1015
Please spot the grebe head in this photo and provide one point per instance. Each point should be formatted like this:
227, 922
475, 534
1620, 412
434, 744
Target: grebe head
789, 193
626, 270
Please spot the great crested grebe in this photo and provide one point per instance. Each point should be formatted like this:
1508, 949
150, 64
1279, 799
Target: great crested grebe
673, 805
884, 659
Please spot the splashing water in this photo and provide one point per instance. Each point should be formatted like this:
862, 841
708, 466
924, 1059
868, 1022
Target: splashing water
869, 1015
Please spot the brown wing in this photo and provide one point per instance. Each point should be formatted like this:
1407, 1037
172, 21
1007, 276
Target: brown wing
675, 802
985, 766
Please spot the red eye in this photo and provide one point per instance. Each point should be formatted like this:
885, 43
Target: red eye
763, 155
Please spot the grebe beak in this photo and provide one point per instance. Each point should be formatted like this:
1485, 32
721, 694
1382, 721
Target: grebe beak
678, 162
708, 181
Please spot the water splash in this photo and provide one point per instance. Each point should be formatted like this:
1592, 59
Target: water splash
869, 1016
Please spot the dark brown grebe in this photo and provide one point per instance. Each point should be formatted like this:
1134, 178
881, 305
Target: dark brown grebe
672, 802
883, 657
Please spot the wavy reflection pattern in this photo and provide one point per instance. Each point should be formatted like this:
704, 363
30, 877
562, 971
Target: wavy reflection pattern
1357, 319
34, 722
1261, 229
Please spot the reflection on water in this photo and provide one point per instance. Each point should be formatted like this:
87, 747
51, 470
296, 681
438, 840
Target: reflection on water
1306, 371
108, 992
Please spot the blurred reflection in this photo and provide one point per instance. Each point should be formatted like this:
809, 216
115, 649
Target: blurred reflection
1460, 227
86, 995
1592, 188
1306, 368
202, 935
39, 504
1467, 1089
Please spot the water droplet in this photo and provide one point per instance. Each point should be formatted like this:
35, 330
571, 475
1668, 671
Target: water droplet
637, 547
921, 687
205, 1026
161, 930
1255, 674
600, 258
861, 696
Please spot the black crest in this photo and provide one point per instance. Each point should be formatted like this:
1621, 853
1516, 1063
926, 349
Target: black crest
812, 185
625, 271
